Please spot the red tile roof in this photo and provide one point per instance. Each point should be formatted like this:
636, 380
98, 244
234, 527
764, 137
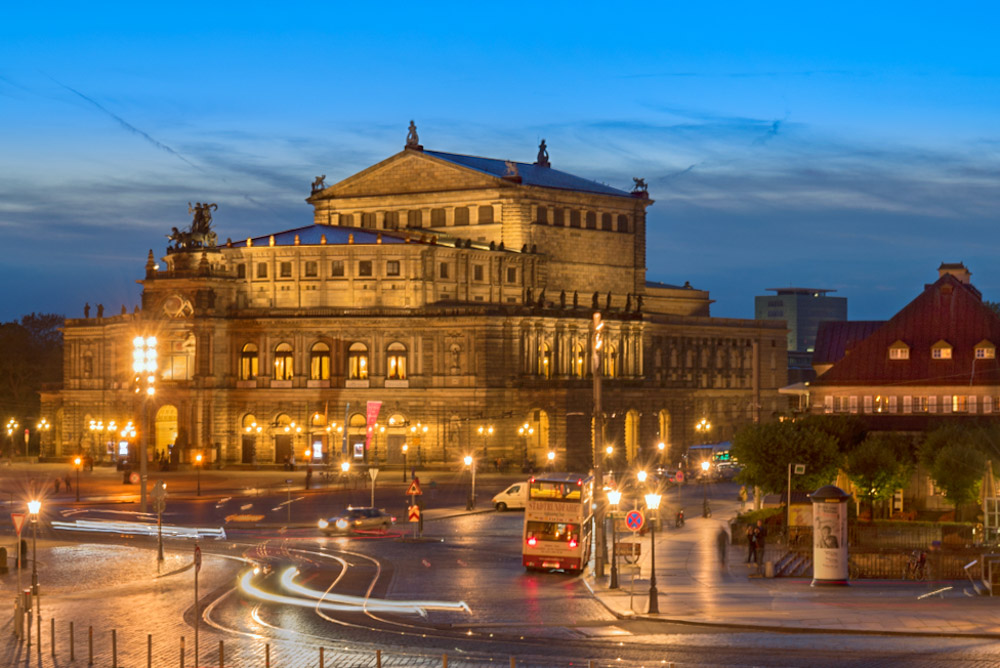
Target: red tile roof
835, 337
946, 310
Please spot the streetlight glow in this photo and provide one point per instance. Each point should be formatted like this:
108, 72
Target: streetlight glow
34, 506
641, 475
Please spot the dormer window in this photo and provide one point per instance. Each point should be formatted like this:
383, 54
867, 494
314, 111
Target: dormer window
899, 351
985, 350
941, 350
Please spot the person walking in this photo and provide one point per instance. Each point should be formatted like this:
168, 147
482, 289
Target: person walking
759, 540
743, 497
309, 475
752, 543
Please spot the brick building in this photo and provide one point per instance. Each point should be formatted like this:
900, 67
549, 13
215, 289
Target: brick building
459, 292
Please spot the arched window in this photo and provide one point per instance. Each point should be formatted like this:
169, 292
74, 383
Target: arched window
395, 362
606, 222
485, 215
319, 362
414, 218
283, 367
347, 220
576, 363
248, 362
545, 361
357, 362
610, 368
623, 223
574, 218
368, 220
558, 217
461, 215
543, 215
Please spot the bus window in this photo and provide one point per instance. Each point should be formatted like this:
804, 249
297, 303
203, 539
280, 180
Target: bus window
554, 531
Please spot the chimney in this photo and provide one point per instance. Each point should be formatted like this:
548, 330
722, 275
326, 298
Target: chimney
956, 269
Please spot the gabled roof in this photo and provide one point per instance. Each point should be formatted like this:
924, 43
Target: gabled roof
531, 175
947, 309
835, 337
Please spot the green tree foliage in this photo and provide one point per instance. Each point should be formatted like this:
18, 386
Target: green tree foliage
880, 465
32, 357
955, 457
849, 430
766, 450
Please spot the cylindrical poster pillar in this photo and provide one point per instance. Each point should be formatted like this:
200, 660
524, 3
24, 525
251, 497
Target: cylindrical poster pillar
829, 536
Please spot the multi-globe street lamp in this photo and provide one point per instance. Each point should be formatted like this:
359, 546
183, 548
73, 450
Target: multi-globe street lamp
653, 504
145, 365
552, 460
197, 467
470, 461
11, 426
705, 512
405, 450
485, 431
614, 498
525, 430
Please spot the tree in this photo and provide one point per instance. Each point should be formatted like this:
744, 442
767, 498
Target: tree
32, 357
766, 450
880, 465
955, 458
848, 430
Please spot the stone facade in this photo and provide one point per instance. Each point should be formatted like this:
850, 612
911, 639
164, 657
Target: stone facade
458, 296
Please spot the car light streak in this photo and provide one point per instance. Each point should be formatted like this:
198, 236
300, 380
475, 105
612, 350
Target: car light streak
96, 526
384, 605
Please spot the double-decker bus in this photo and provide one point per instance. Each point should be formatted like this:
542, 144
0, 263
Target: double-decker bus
558, 520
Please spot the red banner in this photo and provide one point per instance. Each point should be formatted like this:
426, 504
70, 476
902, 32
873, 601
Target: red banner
373, 408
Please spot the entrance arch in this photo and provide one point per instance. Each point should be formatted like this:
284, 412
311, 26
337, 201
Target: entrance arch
165, 433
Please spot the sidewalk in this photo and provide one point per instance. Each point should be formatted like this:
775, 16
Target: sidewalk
694, 588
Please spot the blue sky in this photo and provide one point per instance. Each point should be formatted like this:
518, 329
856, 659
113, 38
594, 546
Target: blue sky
852, 146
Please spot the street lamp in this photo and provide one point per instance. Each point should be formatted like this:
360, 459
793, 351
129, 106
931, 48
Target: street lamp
705, 512
661, 446
552, 459
470, 461
405, 449
12, 425
485, 432
614, 498
78, 464
525, 430
34, 508
653, 504
144, 364
197, 468
641, 476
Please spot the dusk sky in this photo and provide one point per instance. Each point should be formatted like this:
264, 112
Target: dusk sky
846, 146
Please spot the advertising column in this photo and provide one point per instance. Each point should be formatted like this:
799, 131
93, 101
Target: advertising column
829, 536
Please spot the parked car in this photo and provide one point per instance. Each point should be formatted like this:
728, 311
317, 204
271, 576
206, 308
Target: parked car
515, 496
357, 519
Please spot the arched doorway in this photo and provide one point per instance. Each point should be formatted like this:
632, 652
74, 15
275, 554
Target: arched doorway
165, 435
250, 437
356, 438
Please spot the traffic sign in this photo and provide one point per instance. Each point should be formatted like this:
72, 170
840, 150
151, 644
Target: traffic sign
634, 520
18, 519
414, 488
197, 558
134, 478
414, 513
680, 476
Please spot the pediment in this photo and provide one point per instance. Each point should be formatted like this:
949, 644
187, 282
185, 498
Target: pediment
409, 172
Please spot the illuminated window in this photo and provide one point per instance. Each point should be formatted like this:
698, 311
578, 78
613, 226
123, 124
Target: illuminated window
899, 351
577, 361
365, 268
319, 362
357, 362
248, 362
283, 368
959, 404
881, 404
545, 361
610, 366
396, 362
985, 350
941, 353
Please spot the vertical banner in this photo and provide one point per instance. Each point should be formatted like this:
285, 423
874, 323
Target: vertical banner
372, 417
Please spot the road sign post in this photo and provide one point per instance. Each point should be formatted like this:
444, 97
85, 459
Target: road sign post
159, 495
373, 473
18, 520
197, 612
413, 491
634, 520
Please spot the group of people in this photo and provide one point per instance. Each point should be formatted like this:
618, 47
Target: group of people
756, 536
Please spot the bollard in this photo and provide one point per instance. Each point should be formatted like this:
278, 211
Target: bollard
222, 656
114, 648
267, 655
39, 634
444, 661
29, 628
149, 650
72, 652
52, 634
90, 645
182, 651
320, 657
378, 658
513, 662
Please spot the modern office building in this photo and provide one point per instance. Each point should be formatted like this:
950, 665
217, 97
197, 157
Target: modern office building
803, 309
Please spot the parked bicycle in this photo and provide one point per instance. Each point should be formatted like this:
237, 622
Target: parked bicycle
916, 566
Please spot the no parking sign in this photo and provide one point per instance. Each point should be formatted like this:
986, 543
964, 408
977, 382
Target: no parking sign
634, 520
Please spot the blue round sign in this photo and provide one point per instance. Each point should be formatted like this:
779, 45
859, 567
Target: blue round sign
634, 520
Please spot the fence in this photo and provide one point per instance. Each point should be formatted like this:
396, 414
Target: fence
864, 536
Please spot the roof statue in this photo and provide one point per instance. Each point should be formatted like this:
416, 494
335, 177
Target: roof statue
511, 169
200, 235
319, 183
412, 140
543, 155
640, 185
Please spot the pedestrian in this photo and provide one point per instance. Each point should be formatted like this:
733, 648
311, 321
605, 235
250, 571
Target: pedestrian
752, 534
57, 482
722, 542
309, 474
743, 497
761, 535
68, 486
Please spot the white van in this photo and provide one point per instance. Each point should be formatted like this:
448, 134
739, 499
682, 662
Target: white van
515, 496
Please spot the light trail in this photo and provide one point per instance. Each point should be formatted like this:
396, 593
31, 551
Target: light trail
139, 528
380, 604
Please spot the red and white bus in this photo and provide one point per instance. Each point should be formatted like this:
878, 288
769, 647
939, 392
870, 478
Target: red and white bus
558, 521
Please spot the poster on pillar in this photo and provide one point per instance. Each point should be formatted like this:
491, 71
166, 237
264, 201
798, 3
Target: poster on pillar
830, 540
372, 417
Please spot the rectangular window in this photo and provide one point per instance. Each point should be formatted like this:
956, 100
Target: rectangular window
437, 218
868, 404
921, 405
892, 404
391, 220
477, 272
261, 270
959, 404
591, 220
941, 353
986, 353
899, 353
443, 270
462, 215
558, 217
337, 268
574, 218
364, 268
392, 268
828, 404
853, 404
414, 218
542, 216
241, 271
988, 404
485, 215
907, 404
312, 269
931, 404
512, 274
286, 269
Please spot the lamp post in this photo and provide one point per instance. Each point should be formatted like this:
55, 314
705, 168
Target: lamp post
552, 460
485, 431
405, 449
159, 495
526, 431
661, 446
78, 464
653, 504
12, 425
197, 468
470, 461
34, 508
704, 488
614, 497
144, 364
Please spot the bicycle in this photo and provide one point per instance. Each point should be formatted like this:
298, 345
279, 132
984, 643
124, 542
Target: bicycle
916, 566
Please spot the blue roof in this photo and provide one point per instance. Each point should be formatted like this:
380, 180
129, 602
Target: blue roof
310, 235
531, 175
